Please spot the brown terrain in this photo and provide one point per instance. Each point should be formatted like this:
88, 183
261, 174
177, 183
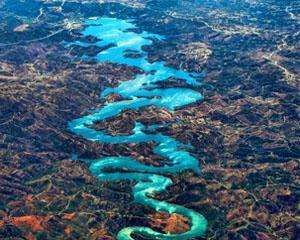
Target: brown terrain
245, 134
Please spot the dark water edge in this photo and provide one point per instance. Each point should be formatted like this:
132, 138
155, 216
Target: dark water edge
245, 133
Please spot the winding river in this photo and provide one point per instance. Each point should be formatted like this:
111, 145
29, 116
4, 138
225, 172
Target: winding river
120, 38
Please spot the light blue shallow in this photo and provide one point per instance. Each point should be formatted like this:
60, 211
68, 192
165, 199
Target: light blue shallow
140, 92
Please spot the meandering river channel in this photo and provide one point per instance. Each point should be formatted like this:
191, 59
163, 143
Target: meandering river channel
139, 92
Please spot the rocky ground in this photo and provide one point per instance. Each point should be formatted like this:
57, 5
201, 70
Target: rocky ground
245, 133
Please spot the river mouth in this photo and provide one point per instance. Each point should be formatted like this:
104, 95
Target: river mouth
118, 38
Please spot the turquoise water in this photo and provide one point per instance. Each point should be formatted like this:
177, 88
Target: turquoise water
140, 92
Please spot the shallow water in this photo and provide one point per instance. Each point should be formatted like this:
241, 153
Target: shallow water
139, 92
